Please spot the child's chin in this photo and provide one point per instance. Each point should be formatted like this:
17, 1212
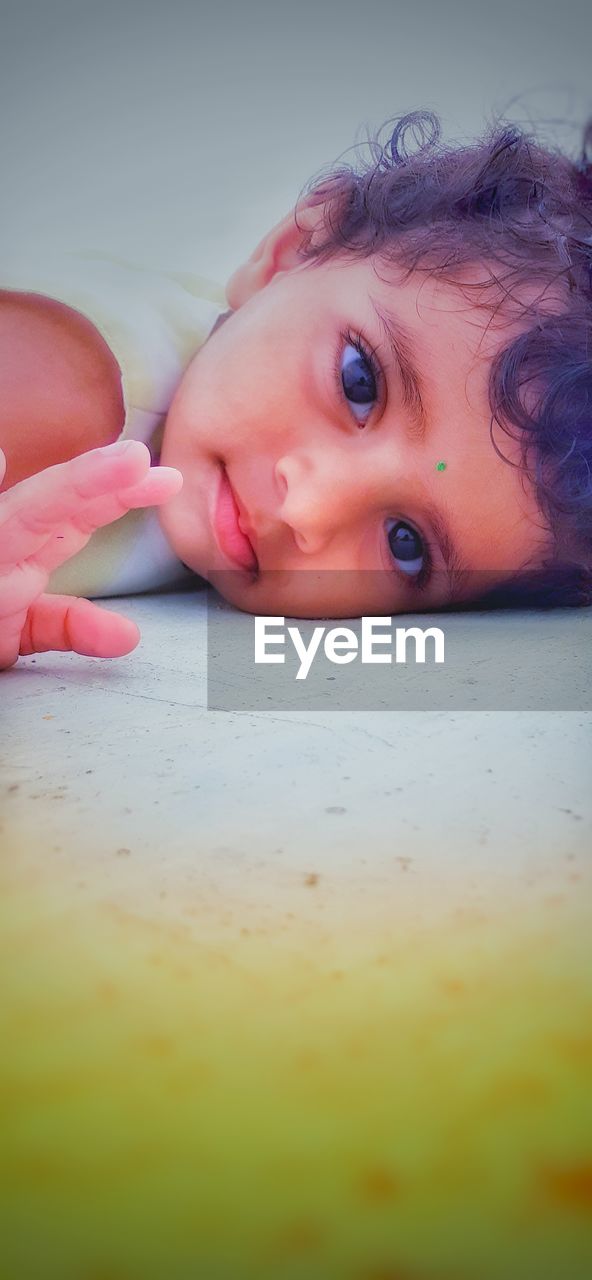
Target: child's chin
233, 585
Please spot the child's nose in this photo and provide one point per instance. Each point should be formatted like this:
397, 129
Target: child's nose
320, 495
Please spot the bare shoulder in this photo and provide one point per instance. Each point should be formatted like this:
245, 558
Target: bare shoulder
60, 385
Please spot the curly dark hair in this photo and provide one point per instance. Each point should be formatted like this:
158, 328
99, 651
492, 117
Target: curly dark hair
524, 211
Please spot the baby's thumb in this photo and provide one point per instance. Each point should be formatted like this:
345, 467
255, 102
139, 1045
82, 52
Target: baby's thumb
2, 465
72, 624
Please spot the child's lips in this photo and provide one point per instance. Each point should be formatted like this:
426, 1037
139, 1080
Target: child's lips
229, 527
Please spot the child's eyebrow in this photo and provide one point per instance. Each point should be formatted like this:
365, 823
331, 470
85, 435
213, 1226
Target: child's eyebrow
401, 346
457, 569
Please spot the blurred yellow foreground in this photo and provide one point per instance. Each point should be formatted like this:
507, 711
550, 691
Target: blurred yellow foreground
212, 1089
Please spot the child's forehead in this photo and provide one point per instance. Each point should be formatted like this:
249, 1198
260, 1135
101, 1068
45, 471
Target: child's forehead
476, 286
493, 294
464, 316
464, 313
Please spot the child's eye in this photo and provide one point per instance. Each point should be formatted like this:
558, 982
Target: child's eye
408, 549
358, 376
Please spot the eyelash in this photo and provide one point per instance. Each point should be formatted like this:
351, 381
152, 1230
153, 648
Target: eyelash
425, 573
357, 340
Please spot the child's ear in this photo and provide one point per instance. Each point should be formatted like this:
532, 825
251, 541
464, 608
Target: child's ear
277, 252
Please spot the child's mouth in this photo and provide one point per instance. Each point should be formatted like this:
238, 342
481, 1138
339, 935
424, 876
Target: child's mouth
233, 543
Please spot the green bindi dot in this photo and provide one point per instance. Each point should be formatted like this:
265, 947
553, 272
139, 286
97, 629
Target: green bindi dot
440, 466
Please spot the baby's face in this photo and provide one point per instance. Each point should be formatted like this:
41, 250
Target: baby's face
316, 481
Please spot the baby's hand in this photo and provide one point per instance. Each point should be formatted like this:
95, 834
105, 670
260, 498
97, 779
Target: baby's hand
45, 520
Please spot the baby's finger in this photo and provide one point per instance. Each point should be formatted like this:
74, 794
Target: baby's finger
35, 505
29, 533
72, 624
2, 465
157, 486
160, 484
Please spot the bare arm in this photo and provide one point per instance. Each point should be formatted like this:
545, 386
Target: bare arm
60, 388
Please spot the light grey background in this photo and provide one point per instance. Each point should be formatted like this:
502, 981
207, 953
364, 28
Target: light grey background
179, 132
